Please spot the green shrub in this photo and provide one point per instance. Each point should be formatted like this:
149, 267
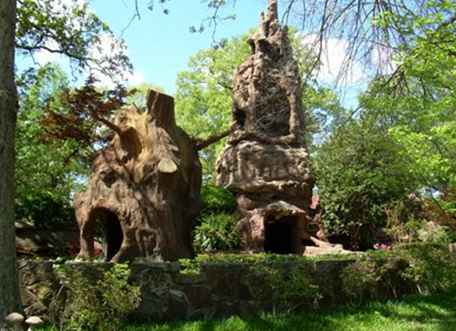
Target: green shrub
44, 209
428, 268
99, 305
374, 276
409, 221
217, 199
360, 172
432, 268
216, 232
287, 288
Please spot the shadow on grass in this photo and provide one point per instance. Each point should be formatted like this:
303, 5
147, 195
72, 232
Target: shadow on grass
417, 313
436, 312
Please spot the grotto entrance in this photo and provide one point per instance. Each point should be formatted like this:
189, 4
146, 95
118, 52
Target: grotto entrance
279, 235
107, 232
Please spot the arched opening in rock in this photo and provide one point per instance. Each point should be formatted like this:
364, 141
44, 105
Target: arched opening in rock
107, 231
280, 235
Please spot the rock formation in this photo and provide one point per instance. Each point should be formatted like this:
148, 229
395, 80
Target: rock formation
144, 191
266, 161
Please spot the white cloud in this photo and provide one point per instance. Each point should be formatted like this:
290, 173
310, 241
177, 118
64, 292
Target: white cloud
136, 78
43, 57
334, 67
58, 8
130, 78
105, 52
106, 48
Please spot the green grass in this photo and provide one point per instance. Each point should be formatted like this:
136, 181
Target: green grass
416, 313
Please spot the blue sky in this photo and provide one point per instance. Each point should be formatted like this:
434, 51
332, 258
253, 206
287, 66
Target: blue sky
160, 45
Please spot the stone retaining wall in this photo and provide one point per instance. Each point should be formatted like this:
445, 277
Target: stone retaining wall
219, 289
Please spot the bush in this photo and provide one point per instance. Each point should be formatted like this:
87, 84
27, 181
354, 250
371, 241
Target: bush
411, 221
44, 210
432, 268
287, 288
216, 232
217, 199
99, 305
215, 228
426, 268
373, 277
359, 173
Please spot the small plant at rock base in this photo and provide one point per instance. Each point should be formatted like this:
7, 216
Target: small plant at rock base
426, 268
101, 305
360, 280
287, 288
432, 268
216, 232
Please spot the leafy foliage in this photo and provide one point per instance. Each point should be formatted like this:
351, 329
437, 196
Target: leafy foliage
427, 268
216, 232
359, 172
216, 199
86, 117
47, 172
288, 288
215, 228
404, 138
102, 305
71, 29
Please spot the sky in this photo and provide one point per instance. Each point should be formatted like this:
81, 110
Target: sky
160, 45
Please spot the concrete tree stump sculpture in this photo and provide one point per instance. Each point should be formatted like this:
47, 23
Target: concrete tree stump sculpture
144, 191
266, 161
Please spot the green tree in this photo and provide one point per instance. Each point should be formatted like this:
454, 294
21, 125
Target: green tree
71, 29
50, 170
47, 171
402, 138
360, 171
420, 97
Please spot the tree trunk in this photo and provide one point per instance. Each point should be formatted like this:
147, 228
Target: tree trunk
9, 292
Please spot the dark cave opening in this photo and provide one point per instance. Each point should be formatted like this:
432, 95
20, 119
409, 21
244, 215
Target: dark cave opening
108, 232
279, 235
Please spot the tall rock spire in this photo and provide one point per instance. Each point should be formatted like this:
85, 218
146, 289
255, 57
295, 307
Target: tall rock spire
266, 162
273, 12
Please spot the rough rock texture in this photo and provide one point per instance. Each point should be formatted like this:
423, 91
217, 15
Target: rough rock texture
324, 248
220, 289
266, 161
144, 190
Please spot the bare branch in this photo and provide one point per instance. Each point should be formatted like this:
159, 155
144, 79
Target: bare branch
204, 143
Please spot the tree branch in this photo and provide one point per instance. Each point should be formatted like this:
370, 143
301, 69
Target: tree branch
203, 143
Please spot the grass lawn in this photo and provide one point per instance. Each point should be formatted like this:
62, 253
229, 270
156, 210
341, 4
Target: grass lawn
417, 313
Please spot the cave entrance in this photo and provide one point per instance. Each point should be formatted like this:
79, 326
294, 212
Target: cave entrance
108, 232
280, 235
